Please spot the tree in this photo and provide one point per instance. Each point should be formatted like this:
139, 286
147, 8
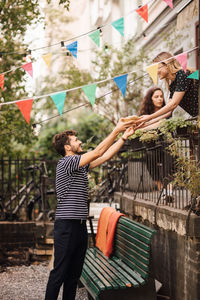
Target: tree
15, 16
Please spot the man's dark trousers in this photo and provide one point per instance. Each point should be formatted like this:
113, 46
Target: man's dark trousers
70, 244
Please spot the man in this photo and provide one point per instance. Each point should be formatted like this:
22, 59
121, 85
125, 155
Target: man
70, 232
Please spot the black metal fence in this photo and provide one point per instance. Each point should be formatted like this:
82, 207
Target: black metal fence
151, 170
22, 192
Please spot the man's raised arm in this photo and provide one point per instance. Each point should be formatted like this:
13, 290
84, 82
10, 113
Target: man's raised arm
105, 144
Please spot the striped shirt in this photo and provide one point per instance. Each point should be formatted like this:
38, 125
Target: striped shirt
71, 188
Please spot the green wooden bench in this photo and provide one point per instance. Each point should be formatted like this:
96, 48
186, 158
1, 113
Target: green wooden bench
127, 273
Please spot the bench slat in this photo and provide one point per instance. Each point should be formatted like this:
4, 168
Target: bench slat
91, 286
131, 264
94, 277
131, 252
107, 280
148, 232
133, 246
130, 256
133, 273
132, 239
101, 257
110, 274
134, 233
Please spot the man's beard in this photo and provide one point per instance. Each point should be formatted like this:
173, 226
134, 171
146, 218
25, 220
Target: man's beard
76, 151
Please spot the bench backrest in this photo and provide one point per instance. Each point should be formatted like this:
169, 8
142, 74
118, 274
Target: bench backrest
132, 245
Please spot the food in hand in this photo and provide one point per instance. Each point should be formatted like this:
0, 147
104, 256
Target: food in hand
130, 118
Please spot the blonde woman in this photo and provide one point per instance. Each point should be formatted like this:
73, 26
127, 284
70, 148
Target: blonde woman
183, 91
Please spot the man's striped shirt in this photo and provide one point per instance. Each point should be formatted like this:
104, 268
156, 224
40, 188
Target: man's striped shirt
71, 188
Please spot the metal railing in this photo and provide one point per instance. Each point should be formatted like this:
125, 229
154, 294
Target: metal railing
151, 169
22, 188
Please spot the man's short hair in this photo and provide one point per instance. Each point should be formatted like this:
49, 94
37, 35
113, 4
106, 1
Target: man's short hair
61, 139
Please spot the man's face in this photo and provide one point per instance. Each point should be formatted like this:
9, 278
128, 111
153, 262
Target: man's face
75, 145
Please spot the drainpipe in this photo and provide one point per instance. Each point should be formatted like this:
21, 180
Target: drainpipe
199, 95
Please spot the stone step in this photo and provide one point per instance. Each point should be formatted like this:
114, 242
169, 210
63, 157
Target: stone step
49, 241
41, 252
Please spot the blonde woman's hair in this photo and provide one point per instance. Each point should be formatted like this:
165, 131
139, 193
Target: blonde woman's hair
172, 64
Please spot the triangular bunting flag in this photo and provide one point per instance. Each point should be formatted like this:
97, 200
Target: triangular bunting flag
95, 36
59, 100
25, 108
169, 2
73, 48
90, 91
119, 25
153, 72
28, 68
47, 58
143, 12
121, 82
182, 59
194, 75
2, 81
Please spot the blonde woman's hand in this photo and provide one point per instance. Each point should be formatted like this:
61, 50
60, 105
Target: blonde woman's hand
143, 119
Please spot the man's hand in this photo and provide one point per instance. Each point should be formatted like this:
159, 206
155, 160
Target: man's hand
129, 131
122, 126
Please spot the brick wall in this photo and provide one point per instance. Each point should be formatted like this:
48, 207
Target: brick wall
17, 234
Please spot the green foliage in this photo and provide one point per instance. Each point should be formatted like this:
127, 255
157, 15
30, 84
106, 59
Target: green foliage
15, 16
65, 2
187, 167
165, 130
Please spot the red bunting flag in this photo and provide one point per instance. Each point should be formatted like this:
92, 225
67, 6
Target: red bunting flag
25, 108
143, 12
182, 59
2, 81
28, 68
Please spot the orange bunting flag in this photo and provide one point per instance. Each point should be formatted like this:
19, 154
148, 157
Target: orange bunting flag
182, 59
47, 58
25, 108
143, 12
2, 81
28, 68
153, 72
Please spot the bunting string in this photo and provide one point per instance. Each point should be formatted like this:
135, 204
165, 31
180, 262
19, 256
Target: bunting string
83, 86
78, 36
80, 50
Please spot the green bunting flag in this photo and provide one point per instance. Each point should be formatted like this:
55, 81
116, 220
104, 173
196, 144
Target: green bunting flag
119, 25
194, 75
90, 91
95, 36
59, 100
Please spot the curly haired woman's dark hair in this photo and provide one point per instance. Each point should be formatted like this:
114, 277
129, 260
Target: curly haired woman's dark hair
61, 139
147, 107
